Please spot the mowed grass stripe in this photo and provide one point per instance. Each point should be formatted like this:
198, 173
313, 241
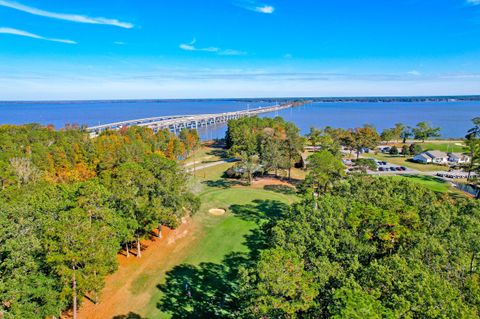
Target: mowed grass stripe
219, 236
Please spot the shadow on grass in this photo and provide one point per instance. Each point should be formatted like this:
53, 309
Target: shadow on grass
204, 291
210, 290
222, 183
220, 152
282, 189
264, 213
260, 210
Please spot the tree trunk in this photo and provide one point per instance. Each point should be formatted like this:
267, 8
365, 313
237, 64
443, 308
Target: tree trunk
470, 167
74, 287
139, 251
471, 263
289, 173
358, 154
160, 231
128, 251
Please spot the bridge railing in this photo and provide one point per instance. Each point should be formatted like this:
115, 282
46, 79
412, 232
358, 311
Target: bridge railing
165, 121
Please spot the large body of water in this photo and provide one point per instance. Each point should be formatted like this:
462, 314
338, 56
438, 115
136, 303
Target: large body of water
453, 117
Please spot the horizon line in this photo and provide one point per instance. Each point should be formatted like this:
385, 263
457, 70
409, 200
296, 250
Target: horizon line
471, 96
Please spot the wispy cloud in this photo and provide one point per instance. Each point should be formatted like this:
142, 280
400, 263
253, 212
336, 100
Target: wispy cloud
65, 16
32, 35
191, 47
414, 72
255, 6
473, 2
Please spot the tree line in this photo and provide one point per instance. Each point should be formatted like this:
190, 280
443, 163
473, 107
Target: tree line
69, 204
264, 144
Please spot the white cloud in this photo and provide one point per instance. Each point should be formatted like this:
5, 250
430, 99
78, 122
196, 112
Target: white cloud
473, 2
191, 47
414, 72
32, 35
65, 16
255, 6
265, 9
119, 43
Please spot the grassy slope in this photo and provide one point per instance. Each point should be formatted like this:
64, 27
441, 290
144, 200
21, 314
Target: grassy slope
429, 182
219, 235
433, 183
454, 146
206, 154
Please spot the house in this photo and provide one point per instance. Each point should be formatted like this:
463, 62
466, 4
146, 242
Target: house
458, 158
422, 158
438, 157
435, 157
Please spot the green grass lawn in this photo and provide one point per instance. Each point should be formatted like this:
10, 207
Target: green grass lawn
433, 183
206, 154
218, 237
430, 182
212, 173
403, 161
454, 146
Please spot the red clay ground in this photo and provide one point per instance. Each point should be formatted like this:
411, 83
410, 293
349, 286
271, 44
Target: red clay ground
121, 293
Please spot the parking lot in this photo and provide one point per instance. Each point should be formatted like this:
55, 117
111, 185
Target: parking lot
385, 167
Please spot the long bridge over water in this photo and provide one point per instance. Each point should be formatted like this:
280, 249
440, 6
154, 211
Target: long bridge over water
175, 123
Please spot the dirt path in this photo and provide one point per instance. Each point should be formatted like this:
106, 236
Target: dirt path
130, 288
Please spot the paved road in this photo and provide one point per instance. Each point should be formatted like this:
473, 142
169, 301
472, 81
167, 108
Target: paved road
207, 165
411, 172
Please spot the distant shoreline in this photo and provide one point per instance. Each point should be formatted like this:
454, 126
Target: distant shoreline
370, 99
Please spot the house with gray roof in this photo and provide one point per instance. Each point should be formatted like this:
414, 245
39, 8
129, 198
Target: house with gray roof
441, 158
435, 157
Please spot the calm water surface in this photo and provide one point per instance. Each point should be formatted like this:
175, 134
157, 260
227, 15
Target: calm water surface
453, 117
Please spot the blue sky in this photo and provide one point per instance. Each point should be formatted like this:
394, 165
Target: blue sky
110, 49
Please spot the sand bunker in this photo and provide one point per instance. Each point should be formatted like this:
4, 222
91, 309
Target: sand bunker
217, 211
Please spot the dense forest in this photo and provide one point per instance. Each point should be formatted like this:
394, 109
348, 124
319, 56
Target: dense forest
369, 248
69, 203
356, 246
